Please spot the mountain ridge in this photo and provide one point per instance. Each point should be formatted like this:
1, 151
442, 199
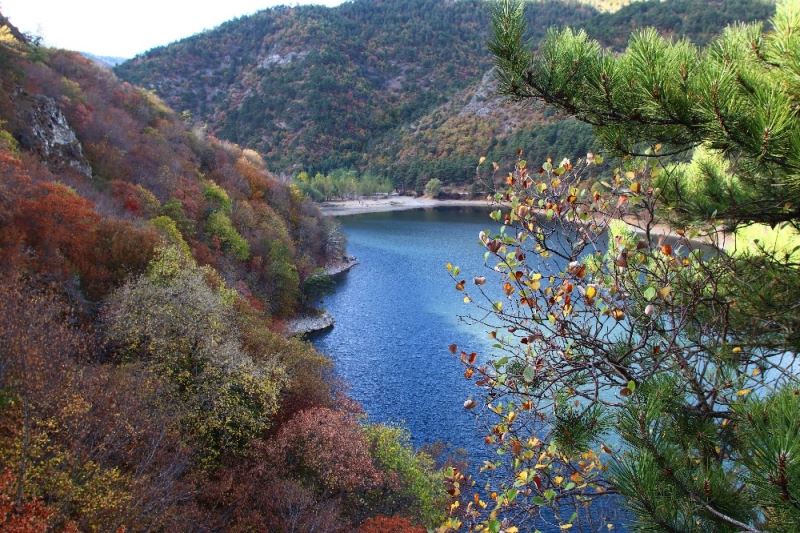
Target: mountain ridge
320, 88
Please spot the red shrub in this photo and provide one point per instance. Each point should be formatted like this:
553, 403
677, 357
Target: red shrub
389, 524
28, 517
328, 448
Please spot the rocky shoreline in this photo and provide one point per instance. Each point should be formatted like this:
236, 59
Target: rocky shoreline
341, 267
391, 203
308, 324
321, 320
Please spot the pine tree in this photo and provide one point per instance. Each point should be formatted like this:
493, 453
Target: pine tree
689, 358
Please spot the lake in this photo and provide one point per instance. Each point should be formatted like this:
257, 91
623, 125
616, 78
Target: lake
397, 313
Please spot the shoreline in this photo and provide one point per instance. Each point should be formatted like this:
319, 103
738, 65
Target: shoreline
342, 208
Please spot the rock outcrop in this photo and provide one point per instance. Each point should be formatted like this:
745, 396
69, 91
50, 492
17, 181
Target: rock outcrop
48, 133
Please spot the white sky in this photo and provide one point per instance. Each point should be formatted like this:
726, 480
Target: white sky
126, 28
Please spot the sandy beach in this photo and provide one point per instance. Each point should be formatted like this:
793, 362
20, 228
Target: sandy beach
390, 203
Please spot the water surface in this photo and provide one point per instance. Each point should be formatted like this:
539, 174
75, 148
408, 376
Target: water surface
397, 312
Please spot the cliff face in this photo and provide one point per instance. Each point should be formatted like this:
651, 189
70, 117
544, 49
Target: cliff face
49, 134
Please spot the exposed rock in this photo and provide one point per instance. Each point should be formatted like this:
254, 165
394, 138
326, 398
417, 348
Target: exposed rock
309, 324
340, 267
285, 59
48, 133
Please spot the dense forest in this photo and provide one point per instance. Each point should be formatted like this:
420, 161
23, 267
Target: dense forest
145, 383
394, 88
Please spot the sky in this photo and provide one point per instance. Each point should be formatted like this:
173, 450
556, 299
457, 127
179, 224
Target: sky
126, 28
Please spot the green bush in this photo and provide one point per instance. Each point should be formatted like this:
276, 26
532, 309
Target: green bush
217, 197
433, 188
422, 489
220, 226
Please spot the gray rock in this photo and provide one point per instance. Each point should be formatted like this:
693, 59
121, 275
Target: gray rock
49, 134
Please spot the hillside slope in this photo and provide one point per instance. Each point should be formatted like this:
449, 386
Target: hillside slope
145, 384
324, 88
311, 86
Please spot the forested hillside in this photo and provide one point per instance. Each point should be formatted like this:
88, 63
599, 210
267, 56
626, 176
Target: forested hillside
145, 384
383, 85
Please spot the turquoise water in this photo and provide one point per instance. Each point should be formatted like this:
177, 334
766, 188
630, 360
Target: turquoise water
397, 313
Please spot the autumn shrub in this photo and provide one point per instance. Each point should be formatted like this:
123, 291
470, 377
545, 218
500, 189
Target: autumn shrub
60, 226
172, 318
420, 488
389, 524
121, 249
31, 516
252, 496
44, 402
328, 449
135, 198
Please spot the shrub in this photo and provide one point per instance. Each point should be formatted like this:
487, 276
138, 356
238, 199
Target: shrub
220, 226
433, 188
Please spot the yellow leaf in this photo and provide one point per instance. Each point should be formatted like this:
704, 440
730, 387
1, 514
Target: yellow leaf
558, 479
565, 526
743, 392
756, 371
591, 292
482, 160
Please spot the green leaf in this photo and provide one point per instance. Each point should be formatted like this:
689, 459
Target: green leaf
538, 500
529, 373
650, 293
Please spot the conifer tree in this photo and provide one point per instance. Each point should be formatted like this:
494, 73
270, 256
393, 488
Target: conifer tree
686, 359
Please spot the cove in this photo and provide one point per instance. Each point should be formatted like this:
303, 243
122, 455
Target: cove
396, 314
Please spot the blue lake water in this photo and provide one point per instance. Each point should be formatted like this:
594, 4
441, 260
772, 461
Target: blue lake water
397, 313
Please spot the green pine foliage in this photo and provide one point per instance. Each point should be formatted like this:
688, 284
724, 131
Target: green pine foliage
697, 454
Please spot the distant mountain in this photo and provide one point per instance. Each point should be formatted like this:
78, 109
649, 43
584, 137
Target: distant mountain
386, 85
105, 61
